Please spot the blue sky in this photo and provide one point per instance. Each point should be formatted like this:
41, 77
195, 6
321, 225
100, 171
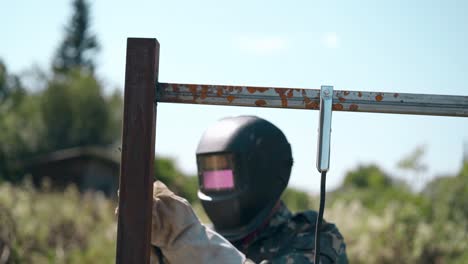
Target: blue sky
396, 46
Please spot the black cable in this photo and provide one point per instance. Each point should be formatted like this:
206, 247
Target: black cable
159, 254
318, 225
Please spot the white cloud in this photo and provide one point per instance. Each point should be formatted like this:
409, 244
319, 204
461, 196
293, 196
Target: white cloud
331, 40
261, 45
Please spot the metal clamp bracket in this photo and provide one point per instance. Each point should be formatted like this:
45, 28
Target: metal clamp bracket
323, 145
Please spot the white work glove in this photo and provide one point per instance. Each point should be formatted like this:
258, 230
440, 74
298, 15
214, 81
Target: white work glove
177, 231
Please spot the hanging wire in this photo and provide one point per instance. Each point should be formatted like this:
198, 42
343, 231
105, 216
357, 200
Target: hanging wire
318, 224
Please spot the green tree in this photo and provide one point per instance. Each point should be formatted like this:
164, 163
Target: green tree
413, 160
297, 200
68, 112
115, 109
449, 196
166, 171
376, 190
76, 113
464, 170
413, 163
10, 87
19, 123
3, 81
79, 45
367, 177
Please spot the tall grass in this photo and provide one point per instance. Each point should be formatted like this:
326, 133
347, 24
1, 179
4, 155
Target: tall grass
43, 226
46, 226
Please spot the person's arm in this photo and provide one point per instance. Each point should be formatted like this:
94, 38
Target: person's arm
180, 236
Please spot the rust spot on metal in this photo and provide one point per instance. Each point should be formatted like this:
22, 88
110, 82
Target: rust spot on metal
312, 105
290, 93
279, 90
346, 93
256, 89
175, 88
337, 107
238, 89
193, 89
309, 104
396, 95
260, 102
341, 99
378, 97
230, 98
359, 94
353, 107
219, 91
282, 94
204, 91
229, 88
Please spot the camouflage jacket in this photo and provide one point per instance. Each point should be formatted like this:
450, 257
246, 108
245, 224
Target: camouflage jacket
289, 238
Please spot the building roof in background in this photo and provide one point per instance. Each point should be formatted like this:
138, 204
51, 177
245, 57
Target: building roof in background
104, 153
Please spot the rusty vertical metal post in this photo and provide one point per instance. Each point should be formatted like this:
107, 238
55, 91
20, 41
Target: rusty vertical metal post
138, 143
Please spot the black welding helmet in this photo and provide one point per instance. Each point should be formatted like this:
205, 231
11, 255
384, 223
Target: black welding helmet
244, 164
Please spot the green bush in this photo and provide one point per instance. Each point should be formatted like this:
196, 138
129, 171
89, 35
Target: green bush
166, 171
297, 200
40, 226
37, 226
398, 234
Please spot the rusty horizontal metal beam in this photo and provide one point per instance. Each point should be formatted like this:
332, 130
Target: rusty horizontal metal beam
299, 98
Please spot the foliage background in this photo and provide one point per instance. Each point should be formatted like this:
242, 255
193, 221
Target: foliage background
387, 225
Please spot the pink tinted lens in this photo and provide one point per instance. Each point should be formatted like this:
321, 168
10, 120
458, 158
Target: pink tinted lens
219, 179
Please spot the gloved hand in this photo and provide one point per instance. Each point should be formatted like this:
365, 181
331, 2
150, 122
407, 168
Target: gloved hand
177, 231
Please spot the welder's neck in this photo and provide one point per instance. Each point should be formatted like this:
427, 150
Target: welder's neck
251, 236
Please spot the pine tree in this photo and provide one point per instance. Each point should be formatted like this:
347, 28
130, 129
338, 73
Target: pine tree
79, 45
3, 81
10, 85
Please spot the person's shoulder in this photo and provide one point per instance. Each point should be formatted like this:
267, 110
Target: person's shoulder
302, 224
306, 258
290, 238
306, 219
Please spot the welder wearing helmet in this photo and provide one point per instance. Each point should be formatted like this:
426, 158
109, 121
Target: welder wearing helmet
244, 164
